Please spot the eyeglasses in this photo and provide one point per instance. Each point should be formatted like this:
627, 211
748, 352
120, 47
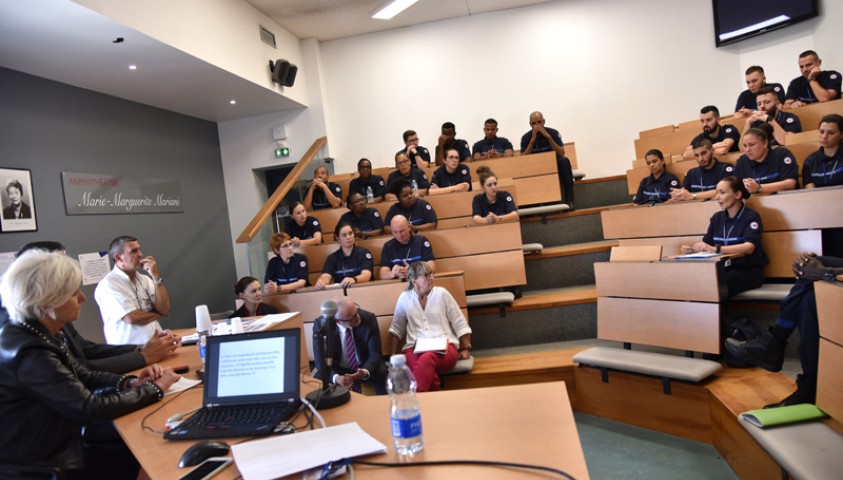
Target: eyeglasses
350, 320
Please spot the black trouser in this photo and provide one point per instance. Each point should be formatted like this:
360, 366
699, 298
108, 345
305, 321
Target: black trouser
742, 279
566, 175
106, 456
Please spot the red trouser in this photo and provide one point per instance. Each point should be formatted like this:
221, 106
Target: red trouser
426, 366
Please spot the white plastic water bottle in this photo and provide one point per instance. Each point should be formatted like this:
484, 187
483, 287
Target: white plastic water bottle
203, 329
404, 411
370, 195
415, 188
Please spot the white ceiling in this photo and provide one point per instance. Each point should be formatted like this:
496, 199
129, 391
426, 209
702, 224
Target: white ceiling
63, 41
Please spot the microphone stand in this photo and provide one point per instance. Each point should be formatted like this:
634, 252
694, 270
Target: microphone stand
329, 396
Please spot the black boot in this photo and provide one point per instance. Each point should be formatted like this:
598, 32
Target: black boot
806, 392
765, 351
569, 197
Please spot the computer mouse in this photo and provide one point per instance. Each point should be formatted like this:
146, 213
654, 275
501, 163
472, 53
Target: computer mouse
198, 453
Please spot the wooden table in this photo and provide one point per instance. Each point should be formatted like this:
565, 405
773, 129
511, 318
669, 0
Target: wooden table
530, 424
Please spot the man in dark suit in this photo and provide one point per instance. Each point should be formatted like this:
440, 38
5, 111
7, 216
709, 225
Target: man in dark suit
365, 362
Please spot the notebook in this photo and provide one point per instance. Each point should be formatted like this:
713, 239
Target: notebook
251, 384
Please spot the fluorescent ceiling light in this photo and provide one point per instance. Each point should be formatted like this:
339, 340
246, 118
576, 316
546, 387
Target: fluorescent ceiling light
392, 9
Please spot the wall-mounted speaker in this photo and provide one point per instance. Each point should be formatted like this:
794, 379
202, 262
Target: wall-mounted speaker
283, 72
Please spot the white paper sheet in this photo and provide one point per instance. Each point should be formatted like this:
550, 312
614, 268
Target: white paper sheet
95, 266
6, 259
436, 344
182, 384
279, 456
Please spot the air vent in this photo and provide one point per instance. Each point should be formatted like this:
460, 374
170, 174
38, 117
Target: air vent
268, 37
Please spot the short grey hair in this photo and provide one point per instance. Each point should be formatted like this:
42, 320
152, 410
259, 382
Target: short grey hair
37, 282
116, 247
417, 270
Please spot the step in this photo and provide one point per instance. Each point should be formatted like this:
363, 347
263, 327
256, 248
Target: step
560, 271
594, 192
563, 229
548, 298
573, 249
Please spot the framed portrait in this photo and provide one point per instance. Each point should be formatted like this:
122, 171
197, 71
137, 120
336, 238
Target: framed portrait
17, 200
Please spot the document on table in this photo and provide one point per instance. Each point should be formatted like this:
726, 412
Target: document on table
267, 320
436, 344
691, 256
182, 384
280, 456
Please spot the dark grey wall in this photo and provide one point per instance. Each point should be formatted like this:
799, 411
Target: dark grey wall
50, 127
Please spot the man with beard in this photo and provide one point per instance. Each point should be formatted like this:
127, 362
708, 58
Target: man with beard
724, 138
770, 112
448, 140
701, 182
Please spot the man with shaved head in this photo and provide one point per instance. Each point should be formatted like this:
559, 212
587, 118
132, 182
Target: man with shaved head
544, 139
404, 249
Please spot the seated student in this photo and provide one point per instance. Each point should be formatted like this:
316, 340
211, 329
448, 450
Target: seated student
701, 182
419, 156
765, 169
823, 167
366, 180
736, 229
770, 113
426, 311
322, 193
755, 80
405, 171
287, 271
366, 221
349, 265
303, 229
814, 85
492, 206
656, 187
724, 138
451, 177
492, 146
248, 289
404, 249
417, 211
448, 140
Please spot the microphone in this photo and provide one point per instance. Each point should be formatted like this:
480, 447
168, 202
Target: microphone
324, 346
329, 326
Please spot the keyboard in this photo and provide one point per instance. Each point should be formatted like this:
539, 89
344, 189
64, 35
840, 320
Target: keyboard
242, 421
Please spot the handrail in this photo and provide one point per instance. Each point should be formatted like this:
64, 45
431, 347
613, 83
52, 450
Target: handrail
266, 210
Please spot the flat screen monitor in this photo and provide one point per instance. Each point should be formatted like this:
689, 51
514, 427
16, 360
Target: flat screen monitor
736, 20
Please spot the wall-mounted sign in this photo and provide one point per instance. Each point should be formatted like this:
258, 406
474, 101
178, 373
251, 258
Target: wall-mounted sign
93, 194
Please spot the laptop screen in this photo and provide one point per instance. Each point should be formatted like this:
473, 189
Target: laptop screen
253, 368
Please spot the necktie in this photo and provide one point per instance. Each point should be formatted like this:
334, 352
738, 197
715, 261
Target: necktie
351, 357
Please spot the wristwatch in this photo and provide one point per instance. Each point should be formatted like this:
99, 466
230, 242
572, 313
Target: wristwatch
467, 347
758, 189
694, 196
829, 274
159, 281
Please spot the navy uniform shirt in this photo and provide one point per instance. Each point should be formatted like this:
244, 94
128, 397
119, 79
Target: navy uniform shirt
799, 89
418, 249
284, 273
339, 266
420, 213
652, 190
748, 100
369, 221
542, 144
779, 165
745, 227
462, 149
358, 185
823, 171
699, 180
415, 174
319, 201
443, 179
726, 131
503, 204
420, 152
310, 227
788, 121
499, 144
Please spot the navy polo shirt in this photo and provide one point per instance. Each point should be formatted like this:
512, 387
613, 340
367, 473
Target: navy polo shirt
699, 180
369, 221
420, 213
418, 249
462, 149
780, 164
823, 171
726, 131
541, 145
788, 121
799, 89
320, 201
415, 174
284, 273
358, 185
339, 266
745, 227
747, 99
420, 152
502, 205
499, 144
653, 190
310, 227
443, 178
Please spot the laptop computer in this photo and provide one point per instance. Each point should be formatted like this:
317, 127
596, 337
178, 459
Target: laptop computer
251, 384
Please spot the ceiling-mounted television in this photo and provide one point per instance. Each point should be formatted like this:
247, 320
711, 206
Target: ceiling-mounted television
736, 20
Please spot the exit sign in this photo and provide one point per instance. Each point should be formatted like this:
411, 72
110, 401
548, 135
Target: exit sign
282, 152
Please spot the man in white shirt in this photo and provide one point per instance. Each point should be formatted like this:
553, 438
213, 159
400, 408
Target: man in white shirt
132, 297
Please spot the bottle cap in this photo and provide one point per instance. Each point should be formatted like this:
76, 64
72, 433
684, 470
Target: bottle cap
398, 360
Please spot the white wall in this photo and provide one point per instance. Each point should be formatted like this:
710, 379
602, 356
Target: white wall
601, 71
